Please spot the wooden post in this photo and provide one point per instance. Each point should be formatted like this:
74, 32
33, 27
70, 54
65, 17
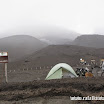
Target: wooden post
6, 77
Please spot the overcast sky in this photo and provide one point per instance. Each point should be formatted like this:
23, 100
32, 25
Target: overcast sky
28, 16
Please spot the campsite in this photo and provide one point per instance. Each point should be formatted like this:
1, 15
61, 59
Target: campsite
48, 76
51, 51
36, 84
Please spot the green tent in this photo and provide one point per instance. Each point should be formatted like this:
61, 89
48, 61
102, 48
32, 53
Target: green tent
57, 72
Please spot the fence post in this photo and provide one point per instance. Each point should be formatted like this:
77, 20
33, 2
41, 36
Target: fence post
6, 77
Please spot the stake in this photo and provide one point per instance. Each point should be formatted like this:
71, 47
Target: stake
6, 78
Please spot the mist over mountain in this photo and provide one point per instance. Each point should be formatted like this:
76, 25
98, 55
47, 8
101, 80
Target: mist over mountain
55, 40
20, 45
96, 41
58, 36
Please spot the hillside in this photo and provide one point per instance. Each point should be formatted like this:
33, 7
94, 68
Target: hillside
53, 54
20, 45
27, 84
96, 41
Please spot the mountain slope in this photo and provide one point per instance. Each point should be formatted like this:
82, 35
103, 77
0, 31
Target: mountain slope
53, 54
96, 41
20, 45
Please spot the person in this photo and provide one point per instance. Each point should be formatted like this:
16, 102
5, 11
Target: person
102, 67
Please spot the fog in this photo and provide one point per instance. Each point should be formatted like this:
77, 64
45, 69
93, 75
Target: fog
41, 17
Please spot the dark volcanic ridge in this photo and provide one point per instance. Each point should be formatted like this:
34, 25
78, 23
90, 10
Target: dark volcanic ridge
86, 40
19, 46
93, 40
55, 54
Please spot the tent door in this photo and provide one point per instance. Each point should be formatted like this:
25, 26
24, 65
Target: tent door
56, 75
67, 74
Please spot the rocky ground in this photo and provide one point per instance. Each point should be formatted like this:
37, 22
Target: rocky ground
52, 91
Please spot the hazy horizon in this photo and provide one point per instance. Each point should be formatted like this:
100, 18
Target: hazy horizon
39, 18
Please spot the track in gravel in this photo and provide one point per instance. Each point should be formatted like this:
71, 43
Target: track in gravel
51, 88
